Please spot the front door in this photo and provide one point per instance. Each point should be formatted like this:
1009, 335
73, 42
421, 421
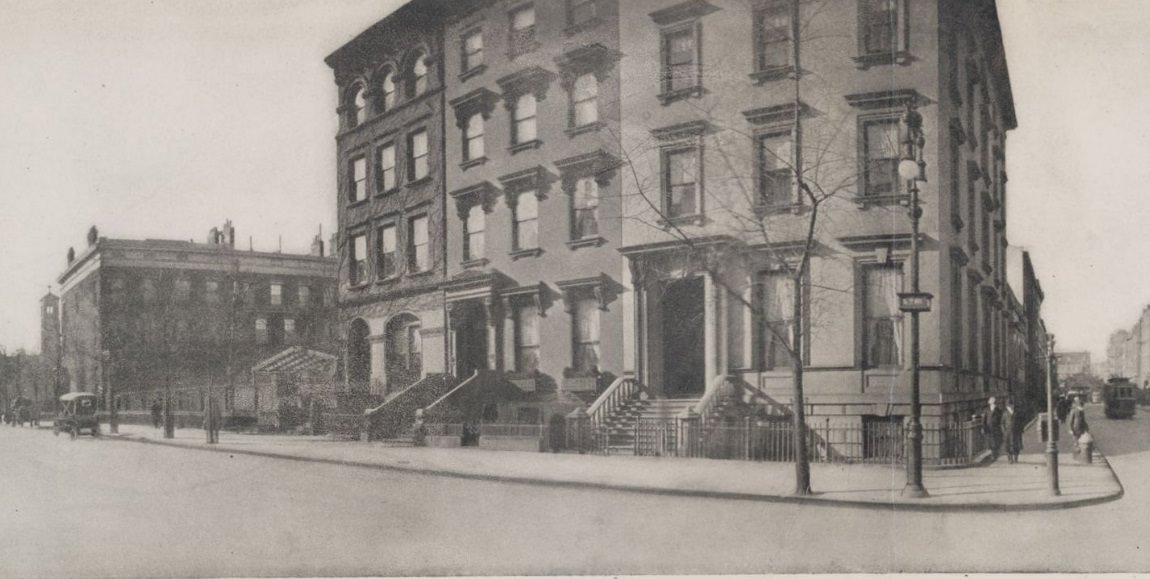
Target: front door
684, 340
470, 342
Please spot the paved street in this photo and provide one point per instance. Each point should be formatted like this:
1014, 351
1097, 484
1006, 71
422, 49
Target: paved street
102, 507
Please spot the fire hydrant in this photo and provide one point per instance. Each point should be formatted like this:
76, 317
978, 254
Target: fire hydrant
1086, 448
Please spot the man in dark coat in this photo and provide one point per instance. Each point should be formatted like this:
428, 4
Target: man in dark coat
157, 414
992, 426
1078, 424
1012, 432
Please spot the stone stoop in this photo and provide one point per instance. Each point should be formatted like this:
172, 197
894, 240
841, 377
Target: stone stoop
621, 423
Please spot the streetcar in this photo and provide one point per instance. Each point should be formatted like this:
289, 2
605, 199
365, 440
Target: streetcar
1120, 397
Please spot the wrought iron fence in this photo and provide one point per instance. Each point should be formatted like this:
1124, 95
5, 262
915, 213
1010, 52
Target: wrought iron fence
773, 441
519, 430
441, 429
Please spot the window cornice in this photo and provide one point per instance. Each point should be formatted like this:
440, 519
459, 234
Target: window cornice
535, 178
688, 10
776, 114
588, 59
533, 79
887, 99
692, 129
480, 100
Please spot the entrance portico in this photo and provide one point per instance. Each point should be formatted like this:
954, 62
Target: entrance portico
678, 343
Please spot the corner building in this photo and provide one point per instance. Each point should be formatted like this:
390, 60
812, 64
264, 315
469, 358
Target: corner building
716, 115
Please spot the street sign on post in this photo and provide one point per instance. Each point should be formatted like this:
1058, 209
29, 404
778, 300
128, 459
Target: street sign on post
914, 302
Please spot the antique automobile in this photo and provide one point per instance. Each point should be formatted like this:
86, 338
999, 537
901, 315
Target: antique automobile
77, 412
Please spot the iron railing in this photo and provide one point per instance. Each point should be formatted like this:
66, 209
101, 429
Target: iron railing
773, 441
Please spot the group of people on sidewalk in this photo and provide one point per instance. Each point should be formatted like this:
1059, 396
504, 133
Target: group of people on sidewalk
1005, 426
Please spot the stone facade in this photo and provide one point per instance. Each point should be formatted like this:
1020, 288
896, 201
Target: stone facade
391, 192
141, 315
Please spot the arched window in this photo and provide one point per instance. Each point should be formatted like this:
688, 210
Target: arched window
359, 105
388, 87
358, 355
418, 76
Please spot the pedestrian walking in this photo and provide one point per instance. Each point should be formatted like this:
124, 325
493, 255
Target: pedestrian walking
992, 426
1062, 409
157, 414
1012, 432
1078, 424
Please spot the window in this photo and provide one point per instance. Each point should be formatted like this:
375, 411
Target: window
261, 331
585, 101
417, 153
387, 264
774, 49
680, 61
289, 328
776, 175
681, 178
956, 317
472, 51
879, 26
526, 221
972, 325
522, 38
475, 246
385, 168
389, 92
357, 273
777, 306
359, 105
526, 337
882, 320
523, 129
473, 138
418, 256
580, 12
212, 291
277, 294
955, 180
304, 295
881, 144
585, 209
357, 189
418, 78
148, 288
586, 338
182, 290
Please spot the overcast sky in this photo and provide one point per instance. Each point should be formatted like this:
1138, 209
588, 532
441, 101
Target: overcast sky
161, 118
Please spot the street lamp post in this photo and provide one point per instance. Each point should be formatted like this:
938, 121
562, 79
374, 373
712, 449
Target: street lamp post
1051, 439
912, 169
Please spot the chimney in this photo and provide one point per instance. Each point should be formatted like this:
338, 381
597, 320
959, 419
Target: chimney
229, 234
214, 236
317, 246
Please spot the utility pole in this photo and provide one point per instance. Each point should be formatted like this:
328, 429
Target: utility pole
1051, 438
912, 168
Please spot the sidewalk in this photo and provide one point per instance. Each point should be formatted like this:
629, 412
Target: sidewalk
999, 486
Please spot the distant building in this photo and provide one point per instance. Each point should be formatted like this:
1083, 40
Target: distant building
1074, 364
51, 341
1128, 351
143, 315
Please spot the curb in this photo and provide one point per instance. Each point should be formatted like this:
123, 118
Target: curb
728, 495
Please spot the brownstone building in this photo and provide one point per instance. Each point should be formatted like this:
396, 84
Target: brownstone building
144, 316
392, 253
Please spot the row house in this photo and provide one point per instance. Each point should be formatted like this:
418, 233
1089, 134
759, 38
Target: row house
392, 230
612, 205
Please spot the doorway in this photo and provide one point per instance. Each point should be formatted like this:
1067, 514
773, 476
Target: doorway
470, 341
684, 338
